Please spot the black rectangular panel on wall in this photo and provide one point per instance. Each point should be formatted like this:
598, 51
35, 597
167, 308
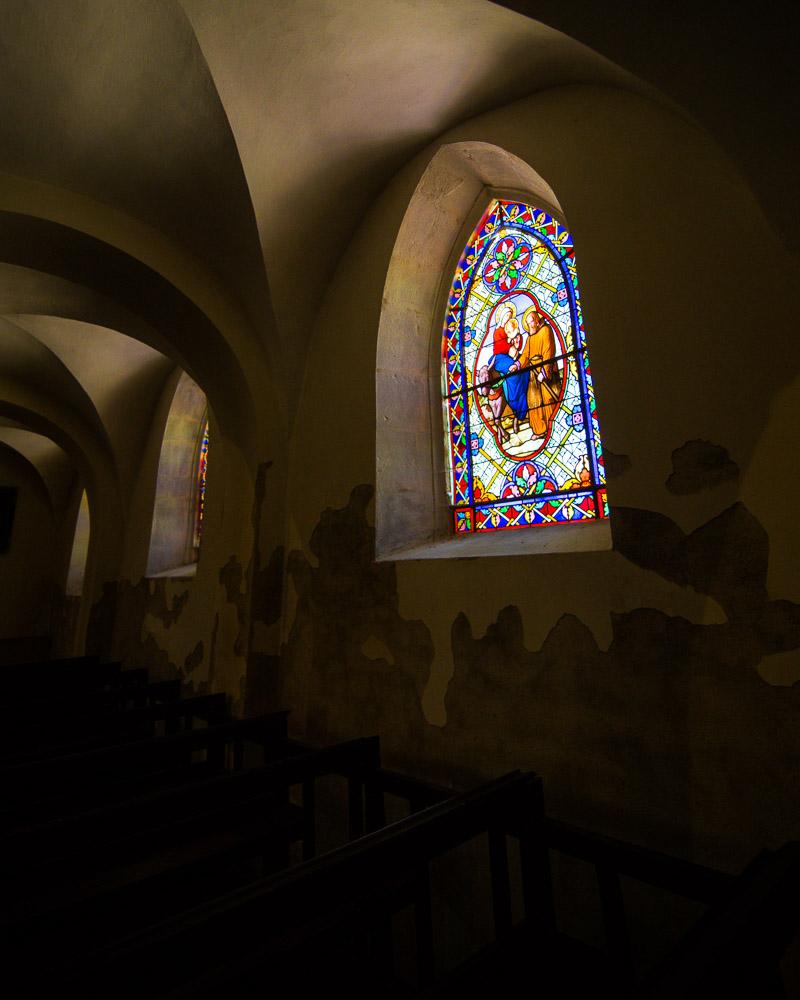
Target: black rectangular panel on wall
8, 503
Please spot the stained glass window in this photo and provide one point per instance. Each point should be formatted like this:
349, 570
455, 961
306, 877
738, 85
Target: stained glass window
522, 438
202, 465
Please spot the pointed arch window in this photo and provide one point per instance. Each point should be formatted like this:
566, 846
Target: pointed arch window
179, 510
522, 438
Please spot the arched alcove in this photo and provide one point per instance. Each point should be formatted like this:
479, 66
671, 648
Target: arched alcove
29, 546
413, 515
175, 535
80, 549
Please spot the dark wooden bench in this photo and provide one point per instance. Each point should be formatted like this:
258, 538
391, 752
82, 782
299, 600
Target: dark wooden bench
75, 663
40, 699
612, 859
19, 650
102, 873
326, 906
735, 949
41, 789
76, 731
51, 679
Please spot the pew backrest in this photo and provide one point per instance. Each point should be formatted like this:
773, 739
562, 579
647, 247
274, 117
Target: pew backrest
83, 777
734, 950
76, 730
359, 883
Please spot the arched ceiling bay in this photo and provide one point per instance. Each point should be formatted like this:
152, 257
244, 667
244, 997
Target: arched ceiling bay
50, 461
122, 377
34, 380
229, 375
114, 101
27, 290
258, 132
328, 98
103, 361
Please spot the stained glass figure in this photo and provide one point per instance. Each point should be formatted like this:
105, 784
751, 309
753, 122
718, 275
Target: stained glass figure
202, 465
522, 438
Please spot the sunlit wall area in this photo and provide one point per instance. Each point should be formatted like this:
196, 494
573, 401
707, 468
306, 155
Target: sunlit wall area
80, 550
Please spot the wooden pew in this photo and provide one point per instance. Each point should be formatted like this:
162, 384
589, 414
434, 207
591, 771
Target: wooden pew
75, 663
38, 790
51, 677
20, 650
194, 838
264, 930
40, 699
77, 731
614, 858
735, 949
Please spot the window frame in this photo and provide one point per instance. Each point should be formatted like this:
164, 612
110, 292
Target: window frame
600, 538
412, 512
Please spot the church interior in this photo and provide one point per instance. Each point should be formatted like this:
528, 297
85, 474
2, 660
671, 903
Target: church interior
227, 233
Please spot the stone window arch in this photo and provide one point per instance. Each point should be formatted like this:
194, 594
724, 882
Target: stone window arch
180, 487
424, 507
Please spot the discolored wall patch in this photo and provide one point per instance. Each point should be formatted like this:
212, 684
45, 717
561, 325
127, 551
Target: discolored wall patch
616, 465
669, 737
346, 601
726, 557
194, 659
700, 465
231, 577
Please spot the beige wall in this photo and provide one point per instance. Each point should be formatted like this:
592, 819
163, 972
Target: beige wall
683, 287
650, 685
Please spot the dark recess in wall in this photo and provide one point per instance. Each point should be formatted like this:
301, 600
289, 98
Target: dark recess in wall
8, 504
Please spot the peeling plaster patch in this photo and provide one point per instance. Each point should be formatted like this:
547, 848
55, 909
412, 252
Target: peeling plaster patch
212, 660
344, 601
375, 649
616, 465
116, 624
261, 685
779, 627
194, 659
159, 608
671, 736
725, 558
231, 577
268, 589
267, 581
700, 465
781, 669
154, 658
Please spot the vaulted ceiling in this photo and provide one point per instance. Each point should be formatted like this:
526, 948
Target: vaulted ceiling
217, 156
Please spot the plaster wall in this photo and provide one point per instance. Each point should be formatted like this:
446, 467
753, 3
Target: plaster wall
631, 679
196, 627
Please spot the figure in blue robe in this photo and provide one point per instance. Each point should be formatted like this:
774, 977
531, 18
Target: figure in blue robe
515, 386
